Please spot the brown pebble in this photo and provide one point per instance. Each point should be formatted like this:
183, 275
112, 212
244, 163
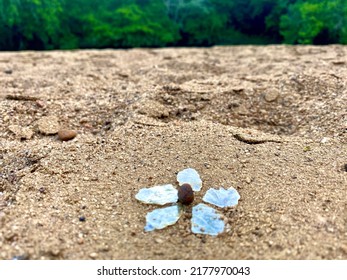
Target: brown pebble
41, 104
67, 134
185, 194
80, 241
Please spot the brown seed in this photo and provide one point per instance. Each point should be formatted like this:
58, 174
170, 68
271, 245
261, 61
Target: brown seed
185, 194
66, 134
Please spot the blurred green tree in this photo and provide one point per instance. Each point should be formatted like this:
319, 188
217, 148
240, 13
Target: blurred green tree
200, 23
69, 24
33, 24
114, 24
313, 21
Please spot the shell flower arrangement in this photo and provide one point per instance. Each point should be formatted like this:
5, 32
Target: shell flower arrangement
205, 219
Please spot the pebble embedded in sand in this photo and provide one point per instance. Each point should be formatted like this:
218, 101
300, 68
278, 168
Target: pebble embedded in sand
158, 240
48, 125
93, 255
271, 96
248, 180
67, 134
23, 133
41, 103
242, 110
154, 109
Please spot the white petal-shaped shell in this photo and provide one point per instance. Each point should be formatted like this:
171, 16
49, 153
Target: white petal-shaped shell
206, 220
190, 176
158, 195
222, 197
163, 217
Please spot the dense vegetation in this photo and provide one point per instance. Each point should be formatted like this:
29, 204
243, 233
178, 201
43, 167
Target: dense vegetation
69, 24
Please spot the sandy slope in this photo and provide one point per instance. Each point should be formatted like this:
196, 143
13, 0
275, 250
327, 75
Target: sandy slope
269, 121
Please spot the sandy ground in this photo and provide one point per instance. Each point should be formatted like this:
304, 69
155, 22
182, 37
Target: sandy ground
269, 121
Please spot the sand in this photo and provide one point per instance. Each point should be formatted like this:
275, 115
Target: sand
269, 121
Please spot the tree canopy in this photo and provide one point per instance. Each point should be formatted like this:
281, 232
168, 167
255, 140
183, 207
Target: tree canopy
70, 24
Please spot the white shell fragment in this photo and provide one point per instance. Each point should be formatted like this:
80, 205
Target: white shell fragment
163, 217
190, 176
222, 197
206, 220
158, 195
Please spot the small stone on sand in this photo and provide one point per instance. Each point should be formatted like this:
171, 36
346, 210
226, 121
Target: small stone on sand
23, 133
67, 134
271, 95
93, 255
154, 109
242, 110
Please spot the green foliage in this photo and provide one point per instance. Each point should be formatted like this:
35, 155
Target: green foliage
114, 24
200, 23
29, 23
314, 21
143, 27
70, 24
248, 16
